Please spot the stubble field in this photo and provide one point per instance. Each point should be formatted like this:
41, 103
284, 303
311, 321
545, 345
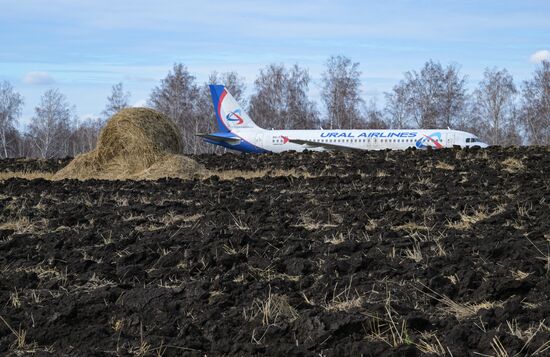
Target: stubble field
315, 254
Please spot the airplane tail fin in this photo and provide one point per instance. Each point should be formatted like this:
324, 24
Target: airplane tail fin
229, 114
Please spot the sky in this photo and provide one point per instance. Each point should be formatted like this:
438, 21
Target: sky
83, 48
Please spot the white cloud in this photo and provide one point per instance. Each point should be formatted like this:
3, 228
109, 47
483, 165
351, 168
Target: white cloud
141, 78
539, 56
38, 78
140, 103
89, 116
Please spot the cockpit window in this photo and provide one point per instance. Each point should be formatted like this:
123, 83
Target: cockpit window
467, 140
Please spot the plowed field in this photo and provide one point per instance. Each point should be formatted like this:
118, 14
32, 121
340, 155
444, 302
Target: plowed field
377, 254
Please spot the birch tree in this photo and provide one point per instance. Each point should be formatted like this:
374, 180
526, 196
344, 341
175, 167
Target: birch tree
341, 93
116, 101
50, 127
434, 97
177, 97
536, 106
493, 112
281, 100
11, 104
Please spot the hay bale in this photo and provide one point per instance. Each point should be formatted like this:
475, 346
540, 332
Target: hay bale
141, 134
136, 143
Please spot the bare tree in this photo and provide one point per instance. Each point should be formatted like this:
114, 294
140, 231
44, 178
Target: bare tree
234, 83
396, 107
341, 93
267, 104
453, 98
177, 96
85, 134
117, 101
281, 100
536, 106
493, 108
435, 96
11, 104
374, 118
425, 90
50, 127
300, 110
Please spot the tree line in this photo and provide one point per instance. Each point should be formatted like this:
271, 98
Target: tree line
435, 96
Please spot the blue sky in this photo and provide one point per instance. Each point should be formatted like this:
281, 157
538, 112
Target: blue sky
83, 48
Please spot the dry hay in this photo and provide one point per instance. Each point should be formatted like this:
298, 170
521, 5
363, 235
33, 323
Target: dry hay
136, 143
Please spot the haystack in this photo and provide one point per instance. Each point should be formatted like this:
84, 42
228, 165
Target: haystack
136, 143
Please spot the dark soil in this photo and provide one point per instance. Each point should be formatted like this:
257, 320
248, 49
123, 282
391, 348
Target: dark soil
31, 165
375, 254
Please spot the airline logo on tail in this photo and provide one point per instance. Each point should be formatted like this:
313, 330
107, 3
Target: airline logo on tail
235, 116
229, 113
433, 140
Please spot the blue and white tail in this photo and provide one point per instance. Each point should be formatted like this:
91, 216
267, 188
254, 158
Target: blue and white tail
231, 117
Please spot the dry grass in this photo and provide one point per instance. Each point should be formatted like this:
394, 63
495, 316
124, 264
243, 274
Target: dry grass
519, 275
545, 257
345, 300
444, 166
430, 344
269, 274
24, 225
235, 174
336, 239
528, 334
272, 310
45, 273
173, 218
411, 227
512, 165
21, 346
27, 175
414, 253
459, 310
498, 348
464, 310
170, 166
388, 330
310, 224
468, 218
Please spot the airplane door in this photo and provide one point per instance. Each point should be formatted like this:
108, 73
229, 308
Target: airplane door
450, 139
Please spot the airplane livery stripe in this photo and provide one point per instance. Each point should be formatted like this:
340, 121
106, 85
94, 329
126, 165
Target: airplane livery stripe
437, 144
222, 97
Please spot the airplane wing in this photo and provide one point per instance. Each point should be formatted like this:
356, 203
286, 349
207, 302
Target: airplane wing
221, 137
327, 146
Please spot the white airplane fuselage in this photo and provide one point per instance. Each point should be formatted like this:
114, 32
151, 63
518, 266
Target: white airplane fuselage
396, 139
237, 131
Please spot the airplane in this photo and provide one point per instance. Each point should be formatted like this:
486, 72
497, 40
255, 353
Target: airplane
237, 131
